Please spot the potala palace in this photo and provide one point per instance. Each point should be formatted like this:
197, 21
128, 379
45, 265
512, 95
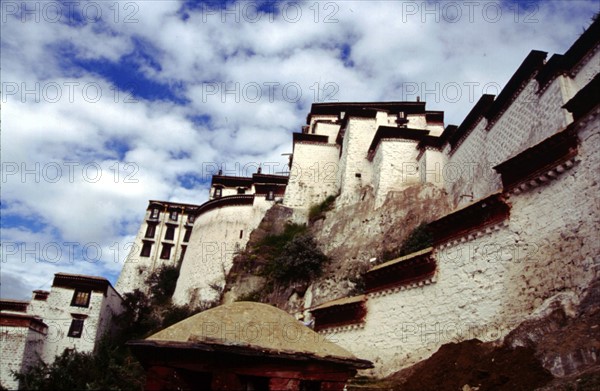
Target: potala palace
521, 173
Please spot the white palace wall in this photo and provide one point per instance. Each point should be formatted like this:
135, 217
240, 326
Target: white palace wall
216, 236
353, 162
314, 174
20, 348
395, 167
489, 281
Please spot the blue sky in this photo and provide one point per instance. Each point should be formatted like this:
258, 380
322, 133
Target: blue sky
106, 105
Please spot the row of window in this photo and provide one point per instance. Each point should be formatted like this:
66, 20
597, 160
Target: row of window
173, 215
165, 252
218, 193
169, 233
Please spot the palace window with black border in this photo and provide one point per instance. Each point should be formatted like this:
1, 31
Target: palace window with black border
166, 251
155, 213
218, 192
76, 329
173, 216
270, 195
151, 230
146, 249
81, 298
170, 234
187, 235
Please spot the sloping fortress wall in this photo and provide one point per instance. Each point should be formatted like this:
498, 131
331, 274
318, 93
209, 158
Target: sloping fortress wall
524, 237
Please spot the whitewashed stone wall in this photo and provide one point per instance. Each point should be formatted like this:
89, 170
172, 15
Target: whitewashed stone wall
357, 139
314, 174
322, 117
531, 118
216, 237
431, 167
329, 130
417, 121
20, 348
395, 167
137, 268
588, 68
487, 282
57, 315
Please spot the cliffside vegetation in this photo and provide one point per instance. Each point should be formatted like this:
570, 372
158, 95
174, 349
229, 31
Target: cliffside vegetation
280, 260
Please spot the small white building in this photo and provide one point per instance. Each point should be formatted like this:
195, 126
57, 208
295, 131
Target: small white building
76, 313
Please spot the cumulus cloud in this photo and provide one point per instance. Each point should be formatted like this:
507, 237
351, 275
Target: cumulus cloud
106, 105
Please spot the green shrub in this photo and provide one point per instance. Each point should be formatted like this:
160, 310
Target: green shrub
419, 239
299, 260
317, 211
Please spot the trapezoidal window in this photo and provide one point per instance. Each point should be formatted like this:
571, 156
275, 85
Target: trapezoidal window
81, 298
166, 251
76, 328
146, 249
218, 192
155, 213
188, 233
170, 234
150, 230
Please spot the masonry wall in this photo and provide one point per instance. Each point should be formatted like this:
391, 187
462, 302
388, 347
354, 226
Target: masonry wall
314, 174
216, 236
529, 119
20, 348
58, 317
136, 267
432, 163
588, 68
358, 137
489, 281
327, 129
395, 167
112, 307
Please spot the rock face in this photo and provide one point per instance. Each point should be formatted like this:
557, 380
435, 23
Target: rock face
349, 236
357, 233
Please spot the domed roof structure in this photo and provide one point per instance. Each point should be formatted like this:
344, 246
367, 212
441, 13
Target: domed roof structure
257, 326
244, 345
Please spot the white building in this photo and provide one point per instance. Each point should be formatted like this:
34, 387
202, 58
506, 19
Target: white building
76, 313
201, 239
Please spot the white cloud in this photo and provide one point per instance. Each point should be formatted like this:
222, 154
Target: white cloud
388, 47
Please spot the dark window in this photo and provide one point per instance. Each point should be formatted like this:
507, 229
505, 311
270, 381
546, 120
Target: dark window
241, 190
81, 298
310, 385
254, 383
173, 215
188, 233
76, 328
146, 248
191, 219
271, 195
170, 234
358, 175
166, 251
154, 214
150, 230
241, 233
218, 192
